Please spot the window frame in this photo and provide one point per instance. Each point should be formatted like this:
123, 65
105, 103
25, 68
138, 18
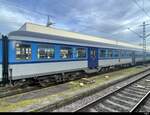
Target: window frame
116, 53
85, 49
45, 46
23, 43
104, 56
108, 51
63, 47
122, 53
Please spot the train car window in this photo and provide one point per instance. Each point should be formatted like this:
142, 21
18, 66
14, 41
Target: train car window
110, 53
116, 53
122, 53
102, 53
138, 54
93, 53
66, 52
45, 52
129, 54
23, 51
126, 54
81, 53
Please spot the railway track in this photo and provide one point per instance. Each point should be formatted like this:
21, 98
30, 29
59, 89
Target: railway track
14, 90
134, 97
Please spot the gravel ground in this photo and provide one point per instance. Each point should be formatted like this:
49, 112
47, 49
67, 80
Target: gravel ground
146, 107
38, 94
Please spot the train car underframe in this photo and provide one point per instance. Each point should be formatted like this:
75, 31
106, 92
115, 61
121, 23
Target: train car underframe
60, 77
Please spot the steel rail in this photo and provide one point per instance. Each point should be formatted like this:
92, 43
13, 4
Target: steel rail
135, 108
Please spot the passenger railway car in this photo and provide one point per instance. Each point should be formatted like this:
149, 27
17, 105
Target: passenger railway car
35, 51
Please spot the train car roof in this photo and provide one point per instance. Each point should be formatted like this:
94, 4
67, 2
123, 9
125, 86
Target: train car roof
35, 30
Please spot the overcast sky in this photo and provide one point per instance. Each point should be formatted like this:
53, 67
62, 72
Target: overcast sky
104, 18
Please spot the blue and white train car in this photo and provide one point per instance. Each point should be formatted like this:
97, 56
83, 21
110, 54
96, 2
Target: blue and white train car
32, 59
36, 50
115, 57
138, 56
33, 54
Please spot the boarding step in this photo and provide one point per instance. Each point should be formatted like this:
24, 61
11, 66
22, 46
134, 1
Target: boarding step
90, 71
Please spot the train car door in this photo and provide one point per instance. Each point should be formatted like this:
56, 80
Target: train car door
0, 59
5, 78
92, 57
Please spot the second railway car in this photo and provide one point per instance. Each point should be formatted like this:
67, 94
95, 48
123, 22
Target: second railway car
35, 51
